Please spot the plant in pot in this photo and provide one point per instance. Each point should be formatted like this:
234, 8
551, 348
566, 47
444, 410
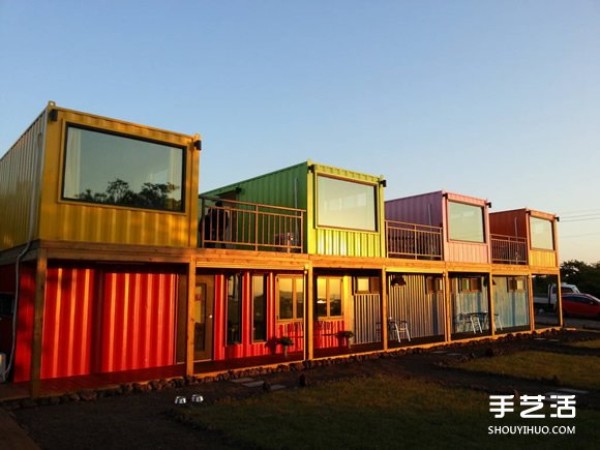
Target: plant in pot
285, 342
347, 335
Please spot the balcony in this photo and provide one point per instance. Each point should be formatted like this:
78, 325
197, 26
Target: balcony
250, 226
413, 241
508, 249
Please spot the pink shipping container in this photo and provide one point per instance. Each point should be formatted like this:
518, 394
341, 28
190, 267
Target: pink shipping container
464, 221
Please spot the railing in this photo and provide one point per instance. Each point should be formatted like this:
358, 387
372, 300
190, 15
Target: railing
414, 241
250, 226
508, 249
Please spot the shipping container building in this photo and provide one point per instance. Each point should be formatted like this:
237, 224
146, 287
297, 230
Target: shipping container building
98, 230
113, 267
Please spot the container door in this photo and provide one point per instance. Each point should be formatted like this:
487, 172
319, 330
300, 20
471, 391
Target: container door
203, 317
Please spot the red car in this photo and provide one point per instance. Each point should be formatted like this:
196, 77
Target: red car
581, 305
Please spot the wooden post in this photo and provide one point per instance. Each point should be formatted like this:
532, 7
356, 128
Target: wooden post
308, 314
191, 292
531, 305
491, 316
448, 307
384, 309
38, 322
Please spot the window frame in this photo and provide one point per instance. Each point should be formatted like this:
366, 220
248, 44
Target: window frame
451, 228
295, 279
263, 279
470, 284
65, 153
534, 241
239, 294
328, 280
434, 284
319, 221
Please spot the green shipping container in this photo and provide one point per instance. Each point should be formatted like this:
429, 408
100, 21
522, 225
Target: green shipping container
342, 209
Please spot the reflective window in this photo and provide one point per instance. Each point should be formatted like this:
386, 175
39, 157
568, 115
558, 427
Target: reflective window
541, 233
118, 170
329, 297
465, 222
346, 204
234, 309
290, 297
259, 308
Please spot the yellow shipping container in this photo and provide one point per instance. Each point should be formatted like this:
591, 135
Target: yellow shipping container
78, 177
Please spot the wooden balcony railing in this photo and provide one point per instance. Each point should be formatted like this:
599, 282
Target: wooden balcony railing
413, 241
508, 249
250, 226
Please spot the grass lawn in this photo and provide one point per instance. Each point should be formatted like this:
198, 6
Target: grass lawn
380, 412
570, 370
587, 344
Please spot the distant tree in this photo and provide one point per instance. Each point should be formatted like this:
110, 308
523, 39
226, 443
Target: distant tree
155, 195
119, 193
585, 276
152, 195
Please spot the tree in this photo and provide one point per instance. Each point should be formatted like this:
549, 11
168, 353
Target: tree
585, 276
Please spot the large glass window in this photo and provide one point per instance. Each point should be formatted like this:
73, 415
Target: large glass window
329, 297
234, 309
465, 222
259, 308
346, 204
118, 170
290, 297
541, 233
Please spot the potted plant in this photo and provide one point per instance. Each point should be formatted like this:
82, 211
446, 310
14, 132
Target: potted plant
347, 335
285, 342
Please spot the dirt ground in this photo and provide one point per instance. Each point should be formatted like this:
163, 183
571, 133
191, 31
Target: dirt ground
146, 420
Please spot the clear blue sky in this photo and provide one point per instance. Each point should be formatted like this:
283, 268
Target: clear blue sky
493, 99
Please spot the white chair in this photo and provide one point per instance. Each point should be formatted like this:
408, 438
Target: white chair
397, 327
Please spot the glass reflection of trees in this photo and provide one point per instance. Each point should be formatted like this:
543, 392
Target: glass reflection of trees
151, 195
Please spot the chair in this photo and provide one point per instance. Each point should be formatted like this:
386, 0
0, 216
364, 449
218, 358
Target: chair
397, 327
469, 319
497, 322
475, 322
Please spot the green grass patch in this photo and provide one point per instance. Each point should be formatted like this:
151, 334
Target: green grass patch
594, 344
378, 412
568, 370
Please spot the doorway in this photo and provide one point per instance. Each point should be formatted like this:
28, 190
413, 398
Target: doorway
203, 317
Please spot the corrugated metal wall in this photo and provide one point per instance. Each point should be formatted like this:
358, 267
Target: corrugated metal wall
425, 313
468, 252
326, 333
22, 365
69, 314
17, 184
75, 221
346, 242
543, 258
138, 326
367, 318
425, 209
285, 187
509, 223
107, 321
